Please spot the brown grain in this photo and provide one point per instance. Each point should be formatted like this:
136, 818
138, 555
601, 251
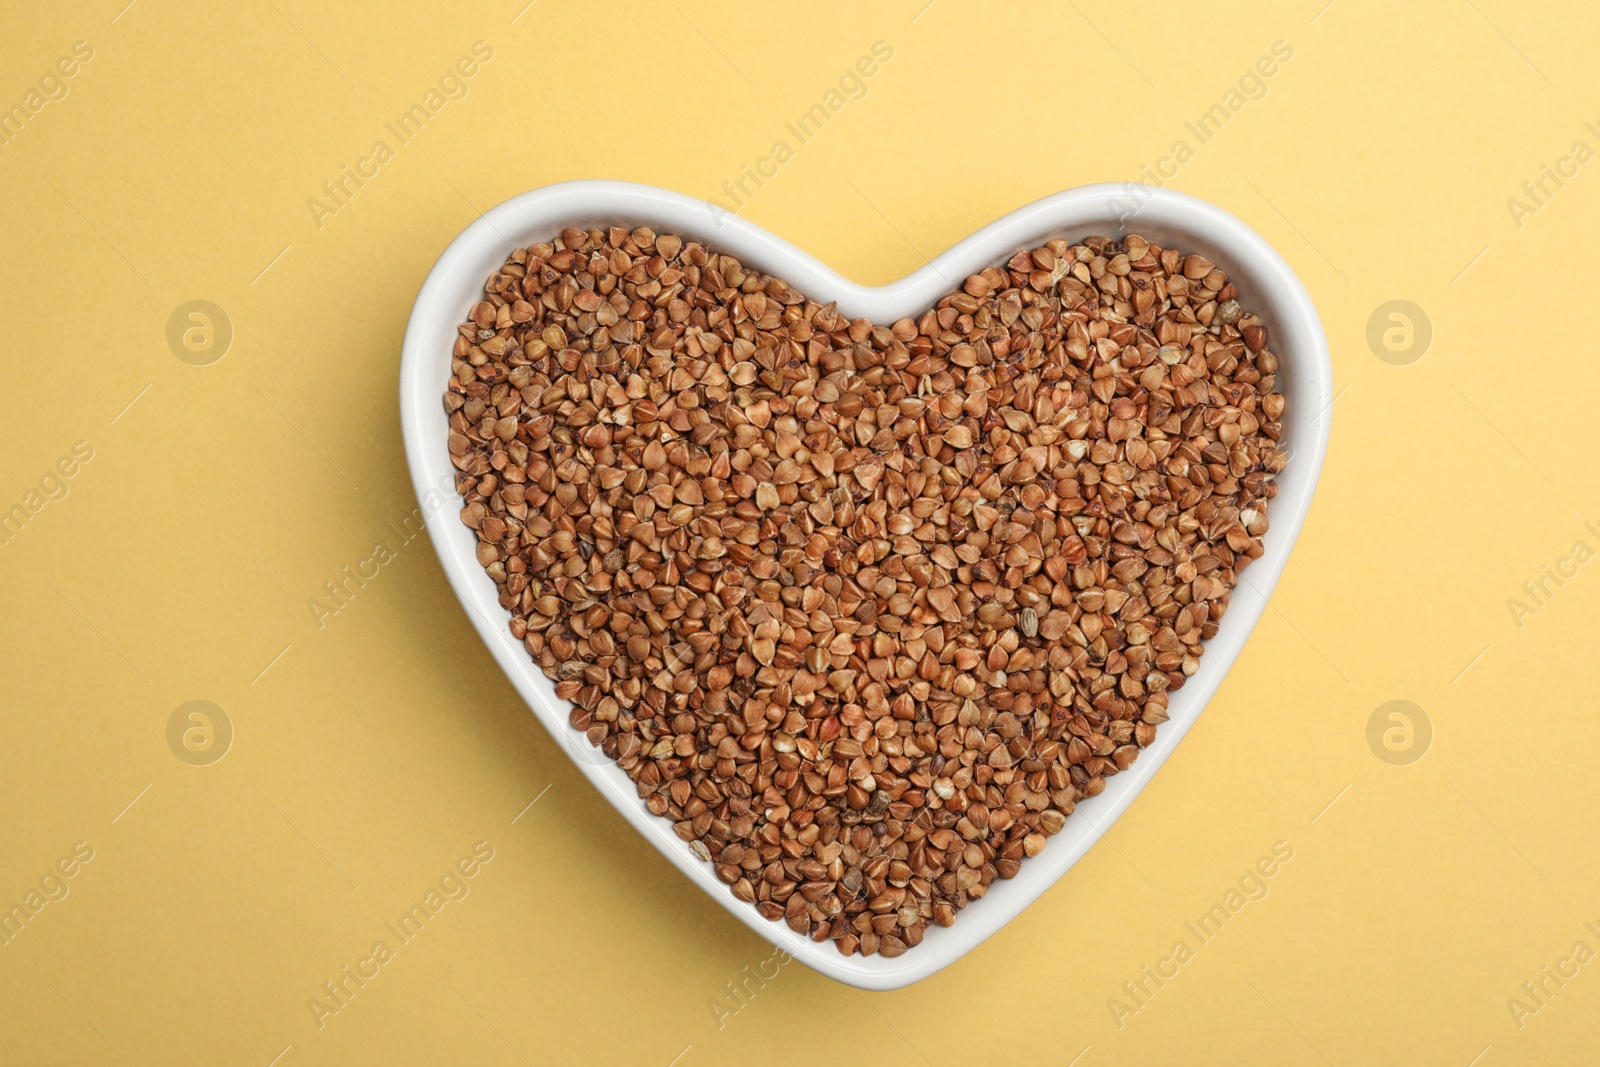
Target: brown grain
864, 610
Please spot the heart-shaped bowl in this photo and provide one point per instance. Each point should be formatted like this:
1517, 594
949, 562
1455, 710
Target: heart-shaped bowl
1266, 286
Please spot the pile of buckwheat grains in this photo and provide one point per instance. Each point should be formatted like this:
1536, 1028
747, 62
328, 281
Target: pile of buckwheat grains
864, 609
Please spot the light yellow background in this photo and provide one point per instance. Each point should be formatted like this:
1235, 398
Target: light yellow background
372, 753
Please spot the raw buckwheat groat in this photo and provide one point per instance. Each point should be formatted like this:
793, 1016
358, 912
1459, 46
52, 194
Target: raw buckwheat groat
864, 609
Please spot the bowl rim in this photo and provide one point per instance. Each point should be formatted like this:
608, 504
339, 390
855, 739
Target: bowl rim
1267, 284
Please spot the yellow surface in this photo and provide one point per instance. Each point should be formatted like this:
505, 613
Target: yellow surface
371, 755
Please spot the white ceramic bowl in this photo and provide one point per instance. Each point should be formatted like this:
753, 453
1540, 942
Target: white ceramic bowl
1266, 286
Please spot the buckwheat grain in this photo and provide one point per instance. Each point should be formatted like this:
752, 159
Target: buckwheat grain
865, 610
